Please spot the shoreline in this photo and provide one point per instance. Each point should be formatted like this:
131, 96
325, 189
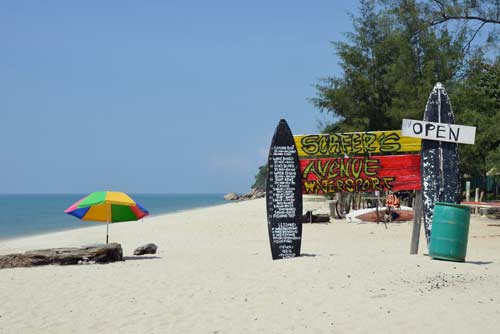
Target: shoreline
92, 229
93, 224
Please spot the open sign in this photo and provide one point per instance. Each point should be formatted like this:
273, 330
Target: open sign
438, 131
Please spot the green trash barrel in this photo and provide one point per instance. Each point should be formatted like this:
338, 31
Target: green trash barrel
449, 232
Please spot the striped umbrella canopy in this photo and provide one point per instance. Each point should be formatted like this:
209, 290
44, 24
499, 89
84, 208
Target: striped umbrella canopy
107, 206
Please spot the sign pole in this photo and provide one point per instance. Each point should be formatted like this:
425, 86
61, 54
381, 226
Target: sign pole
467, 191
415, 235
476, 199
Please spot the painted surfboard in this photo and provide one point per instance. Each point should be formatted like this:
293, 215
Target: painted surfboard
439, 160
284, 195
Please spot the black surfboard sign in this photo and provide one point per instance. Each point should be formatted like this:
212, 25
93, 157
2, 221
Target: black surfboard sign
439, 160
284, 195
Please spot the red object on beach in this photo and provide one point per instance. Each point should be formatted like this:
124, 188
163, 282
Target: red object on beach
404, 215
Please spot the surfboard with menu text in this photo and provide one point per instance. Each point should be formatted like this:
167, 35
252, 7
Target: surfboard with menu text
284, 195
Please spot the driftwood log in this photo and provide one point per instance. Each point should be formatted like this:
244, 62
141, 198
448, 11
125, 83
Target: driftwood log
101, 253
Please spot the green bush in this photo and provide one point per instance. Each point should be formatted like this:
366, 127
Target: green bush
260, 179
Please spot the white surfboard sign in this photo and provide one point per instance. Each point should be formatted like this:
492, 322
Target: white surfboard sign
438, 131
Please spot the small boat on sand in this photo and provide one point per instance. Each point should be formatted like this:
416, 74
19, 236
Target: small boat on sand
370, 215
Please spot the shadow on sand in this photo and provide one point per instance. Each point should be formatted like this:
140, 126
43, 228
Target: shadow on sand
307, 255
479, 263
129, 258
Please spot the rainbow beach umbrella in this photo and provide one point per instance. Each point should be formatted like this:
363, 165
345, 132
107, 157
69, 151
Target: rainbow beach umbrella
107, 206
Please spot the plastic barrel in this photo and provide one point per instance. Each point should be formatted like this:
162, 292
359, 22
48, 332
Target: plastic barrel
450, 232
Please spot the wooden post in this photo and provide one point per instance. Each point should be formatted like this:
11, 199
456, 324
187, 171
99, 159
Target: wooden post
349, 202
476, 199
333, 209
467, 191
415, 236
108, 216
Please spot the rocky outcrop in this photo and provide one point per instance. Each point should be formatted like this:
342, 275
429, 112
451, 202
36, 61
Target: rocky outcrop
231, 196
146, 249
253, 194
101, 253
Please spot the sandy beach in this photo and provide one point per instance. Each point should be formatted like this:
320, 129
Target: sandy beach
213, 273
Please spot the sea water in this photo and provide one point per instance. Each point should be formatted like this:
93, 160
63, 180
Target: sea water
30, 214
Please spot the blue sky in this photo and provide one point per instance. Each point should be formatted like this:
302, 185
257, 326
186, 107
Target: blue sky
156, 96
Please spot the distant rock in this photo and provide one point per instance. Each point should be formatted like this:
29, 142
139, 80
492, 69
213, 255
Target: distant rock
232, 196
258, 194
146, 249
253, 194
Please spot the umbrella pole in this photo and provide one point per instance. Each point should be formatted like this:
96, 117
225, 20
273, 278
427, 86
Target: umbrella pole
108, 214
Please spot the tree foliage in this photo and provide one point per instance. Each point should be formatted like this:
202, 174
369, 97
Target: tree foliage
469, 17
260, 179
396, 53
477, 103
390, 63
468, 11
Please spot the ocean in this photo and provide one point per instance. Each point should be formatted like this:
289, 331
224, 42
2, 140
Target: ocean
30, 214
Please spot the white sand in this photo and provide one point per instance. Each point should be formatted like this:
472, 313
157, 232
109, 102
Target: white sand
214, 274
